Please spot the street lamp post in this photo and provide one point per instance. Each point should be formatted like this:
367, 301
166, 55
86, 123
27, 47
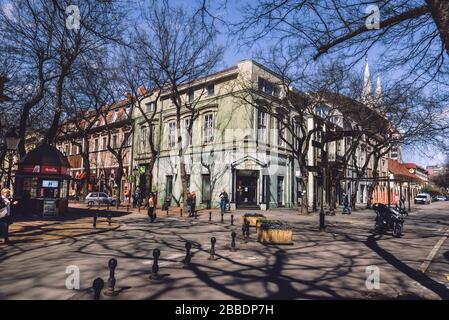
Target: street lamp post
12, 141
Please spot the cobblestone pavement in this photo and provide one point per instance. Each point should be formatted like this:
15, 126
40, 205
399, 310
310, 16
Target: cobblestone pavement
330, 265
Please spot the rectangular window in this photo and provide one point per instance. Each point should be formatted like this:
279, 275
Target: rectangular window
268, 87
261, 126
96, 146
187, 135
143, 139
105, 143
150, 106
205, 188
210, 90
114, 141
281, 134
190, 96
67, 149
208, 128
168, 186
171, 134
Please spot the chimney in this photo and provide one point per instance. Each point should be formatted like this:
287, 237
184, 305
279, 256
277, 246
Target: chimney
141, 90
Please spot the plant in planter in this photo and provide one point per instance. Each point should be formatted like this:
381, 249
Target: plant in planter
275, 232
252, 218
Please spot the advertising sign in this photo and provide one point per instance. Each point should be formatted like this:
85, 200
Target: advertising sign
49, 209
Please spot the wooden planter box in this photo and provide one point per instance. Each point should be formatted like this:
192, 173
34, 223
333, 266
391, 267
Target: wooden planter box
275, 236
252, 220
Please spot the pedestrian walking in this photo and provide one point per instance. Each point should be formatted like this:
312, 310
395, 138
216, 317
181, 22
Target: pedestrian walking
346, 208
224, 200
151, 207
193, 203
189, 203
5, 214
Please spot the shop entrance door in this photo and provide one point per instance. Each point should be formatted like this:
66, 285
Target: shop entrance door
246, 188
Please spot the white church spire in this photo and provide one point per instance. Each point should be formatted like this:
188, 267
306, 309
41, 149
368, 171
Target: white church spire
366, 91
378, 91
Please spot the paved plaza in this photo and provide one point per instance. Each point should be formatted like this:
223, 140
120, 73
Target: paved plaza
330, 265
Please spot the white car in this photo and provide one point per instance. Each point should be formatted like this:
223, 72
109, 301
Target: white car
99, 198
423, 198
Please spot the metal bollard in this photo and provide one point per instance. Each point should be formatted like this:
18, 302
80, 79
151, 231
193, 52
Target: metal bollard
180, 212
110, 291
188, 257
109, 219
95, 220
244, 227
222, 214
233, 235
212, 248
97, 285
247, 231
232, 219
155, 268
210, 216
196, 214
167, 212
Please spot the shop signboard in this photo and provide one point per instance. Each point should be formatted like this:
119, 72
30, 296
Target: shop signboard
49, 209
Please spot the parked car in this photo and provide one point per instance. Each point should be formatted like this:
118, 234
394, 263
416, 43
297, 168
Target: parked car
99, 198
440, 198
423, 198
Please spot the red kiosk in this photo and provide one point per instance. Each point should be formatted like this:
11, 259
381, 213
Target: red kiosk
41, 182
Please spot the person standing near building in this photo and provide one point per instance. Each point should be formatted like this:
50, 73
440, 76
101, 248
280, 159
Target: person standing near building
5, 214
224, 199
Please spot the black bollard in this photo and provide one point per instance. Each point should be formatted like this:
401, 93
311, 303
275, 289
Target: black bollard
247, 231
167, 212
212, 248
97, 285
210, 216
244, 227
233, 235
181, 212
188, 257
222, 214
109, 219
196, 214
232, 219
110, 291
95, 220
155, 268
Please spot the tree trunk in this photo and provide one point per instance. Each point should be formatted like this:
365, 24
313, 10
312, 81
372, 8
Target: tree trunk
119, 182
354, 194
305, 198
51, 133
439, 10
86, 165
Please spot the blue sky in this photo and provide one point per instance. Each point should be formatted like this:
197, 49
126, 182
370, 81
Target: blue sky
234, 54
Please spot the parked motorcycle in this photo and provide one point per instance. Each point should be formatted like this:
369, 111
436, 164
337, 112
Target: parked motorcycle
388, 219
401, 210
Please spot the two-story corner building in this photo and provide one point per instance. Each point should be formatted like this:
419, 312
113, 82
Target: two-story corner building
233, 146
103, 164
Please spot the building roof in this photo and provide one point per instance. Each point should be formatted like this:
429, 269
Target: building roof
45, 155
401, 172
